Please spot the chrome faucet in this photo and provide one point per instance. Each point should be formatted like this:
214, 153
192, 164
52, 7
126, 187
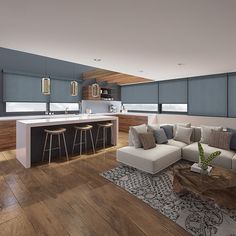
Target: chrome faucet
66, 110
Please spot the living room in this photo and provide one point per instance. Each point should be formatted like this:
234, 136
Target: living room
118, 118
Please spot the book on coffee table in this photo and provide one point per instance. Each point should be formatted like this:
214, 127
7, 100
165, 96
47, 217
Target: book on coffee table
196, 168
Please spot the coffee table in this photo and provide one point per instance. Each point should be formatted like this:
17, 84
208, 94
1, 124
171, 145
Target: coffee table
220, 186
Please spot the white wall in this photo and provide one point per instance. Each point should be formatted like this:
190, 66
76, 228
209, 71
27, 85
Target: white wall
196, 120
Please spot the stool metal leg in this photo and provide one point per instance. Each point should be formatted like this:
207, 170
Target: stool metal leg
63, 135
76, 131
81, 140
85, 141
104, 138
44, 147
59, 144
91, 136
50, 149
97, 137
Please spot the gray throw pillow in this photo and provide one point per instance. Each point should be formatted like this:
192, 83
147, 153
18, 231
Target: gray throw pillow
183, 134
233, 139
160, 136
220, 139
147, 140
135, 131
206, 132
168, 131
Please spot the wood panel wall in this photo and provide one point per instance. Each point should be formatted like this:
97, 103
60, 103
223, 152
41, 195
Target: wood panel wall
125, 121
7, 135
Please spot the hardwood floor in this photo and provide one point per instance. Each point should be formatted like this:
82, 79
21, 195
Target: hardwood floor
70, 198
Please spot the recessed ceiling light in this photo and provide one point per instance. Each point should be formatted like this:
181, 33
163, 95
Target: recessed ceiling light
141, 71
180, 64
97, 59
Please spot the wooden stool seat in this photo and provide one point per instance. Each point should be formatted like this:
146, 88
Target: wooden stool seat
56, 131
105, 125
86, 127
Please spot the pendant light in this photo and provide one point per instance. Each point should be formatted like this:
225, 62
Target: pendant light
45, 82
95, 90
74, 85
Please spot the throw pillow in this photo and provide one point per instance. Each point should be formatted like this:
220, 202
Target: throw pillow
160, 136
186, 125
147, 140
206, 132
233, 139
153, 127
135, 131
220, 139
183, 134
168, 131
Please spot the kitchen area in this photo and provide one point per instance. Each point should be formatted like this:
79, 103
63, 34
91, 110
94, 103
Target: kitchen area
40, 96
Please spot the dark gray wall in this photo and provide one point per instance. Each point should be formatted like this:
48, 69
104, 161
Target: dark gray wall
26, 63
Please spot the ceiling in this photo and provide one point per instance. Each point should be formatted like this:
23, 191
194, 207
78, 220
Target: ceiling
155, 39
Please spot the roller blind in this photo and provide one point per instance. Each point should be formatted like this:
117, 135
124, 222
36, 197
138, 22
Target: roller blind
22, 88
140, 93
232, 95
60, 91
173, 92
207, 95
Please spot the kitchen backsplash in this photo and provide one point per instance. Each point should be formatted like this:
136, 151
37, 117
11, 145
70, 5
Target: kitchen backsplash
100, 106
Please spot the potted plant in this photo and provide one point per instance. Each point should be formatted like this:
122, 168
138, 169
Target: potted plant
205, 161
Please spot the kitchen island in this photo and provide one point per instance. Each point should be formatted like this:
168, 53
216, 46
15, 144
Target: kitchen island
30, 134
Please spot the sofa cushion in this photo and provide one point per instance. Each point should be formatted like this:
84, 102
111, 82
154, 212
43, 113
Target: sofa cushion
175, 143
233, 139
135, 131
206, 132
152, 160
147, 140
183, 134
220, 139
191, 153
186, 125
168, 130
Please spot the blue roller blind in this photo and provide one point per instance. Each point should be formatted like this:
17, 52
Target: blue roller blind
173, 92
232, 95
140, 93
22, 88
60, 91
207, 95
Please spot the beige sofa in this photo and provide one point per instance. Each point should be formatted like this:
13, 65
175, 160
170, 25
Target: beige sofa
163, 155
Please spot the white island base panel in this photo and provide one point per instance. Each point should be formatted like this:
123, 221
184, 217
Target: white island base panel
23, 132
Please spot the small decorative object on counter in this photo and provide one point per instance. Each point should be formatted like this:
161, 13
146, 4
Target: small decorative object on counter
203, 165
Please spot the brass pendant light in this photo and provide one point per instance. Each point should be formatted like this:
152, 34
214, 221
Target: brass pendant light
74, 88
45, 82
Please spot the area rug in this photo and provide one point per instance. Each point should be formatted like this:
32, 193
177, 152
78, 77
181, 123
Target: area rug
198, 217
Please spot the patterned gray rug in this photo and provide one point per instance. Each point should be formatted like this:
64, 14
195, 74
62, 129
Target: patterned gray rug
197, 216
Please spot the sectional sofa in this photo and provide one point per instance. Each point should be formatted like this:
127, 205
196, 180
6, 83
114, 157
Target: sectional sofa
163, 155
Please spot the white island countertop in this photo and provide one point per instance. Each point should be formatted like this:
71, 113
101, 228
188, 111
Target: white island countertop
65, 120
24, 129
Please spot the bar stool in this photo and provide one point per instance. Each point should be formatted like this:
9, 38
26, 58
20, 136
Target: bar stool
52, 133
105, 127
83, 130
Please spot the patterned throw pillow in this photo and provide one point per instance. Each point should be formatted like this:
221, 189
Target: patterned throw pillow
206, 132
147, 140
183, 134
220, 139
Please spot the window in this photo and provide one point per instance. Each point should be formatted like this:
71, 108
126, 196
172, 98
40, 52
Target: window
174, 108
142, 107
64, 106
26, 107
